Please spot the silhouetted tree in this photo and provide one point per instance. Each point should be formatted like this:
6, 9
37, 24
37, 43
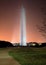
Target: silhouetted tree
5, 44
32, 44
42, 27
43, 44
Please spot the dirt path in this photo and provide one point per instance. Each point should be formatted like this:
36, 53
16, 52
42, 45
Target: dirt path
5, 59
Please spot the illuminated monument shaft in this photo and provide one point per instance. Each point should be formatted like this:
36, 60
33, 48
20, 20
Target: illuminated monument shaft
23, 27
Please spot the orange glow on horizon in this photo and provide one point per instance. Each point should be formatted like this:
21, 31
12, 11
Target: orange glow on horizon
10, 21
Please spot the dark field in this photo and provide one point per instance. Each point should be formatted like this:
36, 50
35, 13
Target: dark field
29, 55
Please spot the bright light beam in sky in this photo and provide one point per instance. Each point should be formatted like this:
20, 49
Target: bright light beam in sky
13, 36
23, 27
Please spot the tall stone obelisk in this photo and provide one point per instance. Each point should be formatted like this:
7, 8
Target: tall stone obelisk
23, 27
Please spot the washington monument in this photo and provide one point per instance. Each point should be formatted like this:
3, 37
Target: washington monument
23, 27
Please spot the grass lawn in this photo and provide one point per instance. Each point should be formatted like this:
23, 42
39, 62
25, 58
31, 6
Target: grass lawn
29, 55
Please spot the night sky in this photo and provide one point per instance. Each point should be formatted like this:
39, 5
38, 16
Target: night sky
10, 11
